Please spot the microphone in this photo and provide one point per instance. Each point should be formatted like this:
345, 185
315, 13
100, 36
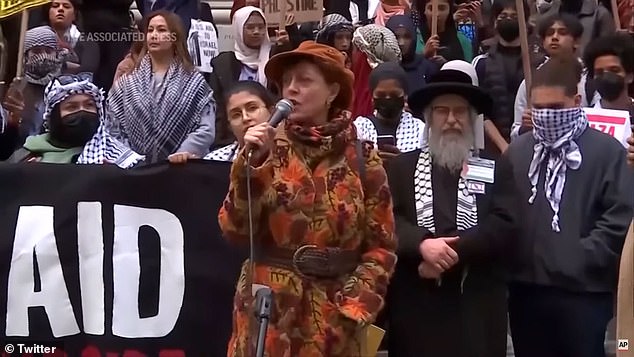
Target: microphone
282, 110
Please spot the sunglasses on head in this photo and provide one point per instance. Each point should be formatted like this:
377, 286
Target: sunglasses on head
70, 78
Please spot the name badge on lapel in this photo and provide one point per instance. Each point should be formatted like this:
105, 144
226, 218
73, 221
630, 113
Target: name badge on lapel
481, 170
476, 187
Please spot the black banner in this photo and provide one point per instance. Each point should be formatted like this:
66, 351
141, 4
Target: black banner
99, 261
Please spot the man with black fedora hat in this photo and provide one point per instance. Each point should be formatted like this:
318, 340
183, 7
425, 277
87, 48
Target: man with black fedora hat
455, 216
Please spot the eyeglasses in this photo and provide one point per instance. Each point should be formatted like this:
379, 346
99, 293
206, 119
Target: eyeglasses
65, 79
238, 114
442, 112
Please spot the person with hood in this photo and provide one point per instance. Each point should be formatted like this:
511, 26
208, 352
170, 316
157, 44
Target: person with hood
374, 45
252, 49
418, 68
336, 31
75, 130
42, 63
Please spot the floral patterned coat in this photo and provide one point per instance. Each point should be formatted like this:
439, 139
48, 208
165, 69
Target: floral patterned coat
328, 207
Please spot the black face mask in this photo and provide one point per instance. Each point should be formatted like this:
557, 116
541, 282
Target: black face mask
74, 130
508, 29
389, 108
609, 85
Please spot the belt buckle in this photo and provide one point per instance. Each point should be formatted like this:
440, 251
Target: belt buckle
297, 254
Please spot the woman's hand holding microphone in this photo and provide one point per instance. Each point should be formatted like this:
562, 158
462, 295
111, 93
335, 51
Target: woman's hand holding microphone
259, 138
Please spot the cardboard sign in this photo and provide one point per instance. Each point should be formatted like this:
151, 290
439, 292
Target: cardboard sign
11, 7
615, 123
304, 10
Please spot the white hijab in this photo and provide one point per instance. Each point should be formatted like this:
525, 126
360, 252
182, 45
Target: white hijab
254, 59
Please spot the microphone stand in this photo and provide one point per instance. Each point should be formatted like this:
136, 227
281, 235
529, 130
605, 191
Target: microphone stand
264, 294
263, 302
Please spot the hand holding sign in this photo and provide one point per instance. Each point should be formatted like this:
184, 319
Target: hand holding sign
276, 11
431, 46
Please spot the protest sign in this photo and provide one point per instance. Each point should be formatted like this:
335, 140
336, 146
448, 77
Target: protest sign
202, 44
615, 123
12, 7
304, 10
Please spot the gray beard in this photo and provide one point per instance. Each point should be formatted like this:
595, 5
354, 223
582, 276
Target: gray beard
450, 150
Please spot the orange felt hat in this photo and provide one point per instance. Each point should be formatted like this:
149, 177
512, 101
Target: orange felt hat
330, 61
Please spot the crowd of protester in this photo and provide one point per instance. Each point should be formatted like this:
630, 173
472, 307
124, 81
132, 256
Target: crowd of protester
539, 241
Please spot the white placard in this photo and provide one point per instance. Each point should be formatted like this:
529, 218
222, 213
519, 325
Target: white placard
202, 44
615, 123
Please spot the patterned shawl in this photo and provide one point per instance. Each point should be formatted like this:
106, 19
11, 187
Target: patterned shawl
466, 210
318, 142
378, 43
410, 132
102, 148
42, 36
555, 132
330, 25
226, 153
157, 126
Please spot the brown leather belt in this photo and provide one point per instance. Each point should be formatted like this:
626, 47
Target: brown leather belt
310, 261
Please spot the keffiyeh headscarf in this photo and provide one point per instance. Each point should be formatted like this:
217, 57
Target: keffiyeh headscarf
41, 68
555, 132
102, 148
378, 43
330, 25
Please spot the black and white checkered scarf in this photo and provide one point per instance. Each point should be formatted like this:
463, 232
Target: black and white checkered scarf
555, 132
157, 126
330, 25
102, 148
41, 68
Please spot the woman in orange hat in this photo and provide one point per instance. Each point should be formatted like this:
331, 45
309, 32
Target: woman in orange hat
322, 216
